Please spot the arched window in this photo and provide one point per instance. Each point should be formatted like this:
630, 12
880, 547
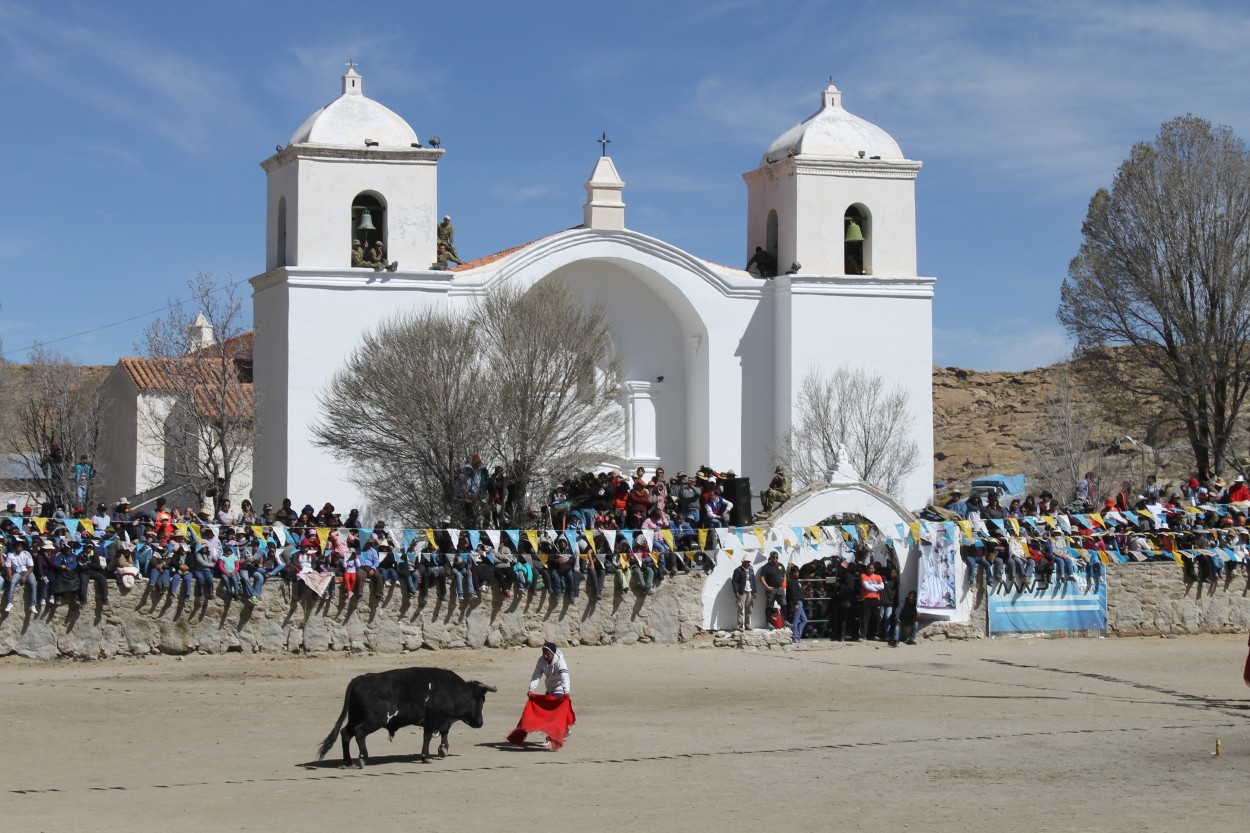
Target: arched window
281, 249
857, 240
368, 219
770, 235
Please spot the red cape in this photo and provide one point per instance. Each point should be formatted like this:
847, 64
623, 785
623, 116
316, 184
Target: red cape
550, 714
1245, 675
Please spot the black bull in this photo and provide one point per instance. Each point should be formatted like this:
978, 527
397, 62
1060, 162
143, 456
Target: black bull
433, 698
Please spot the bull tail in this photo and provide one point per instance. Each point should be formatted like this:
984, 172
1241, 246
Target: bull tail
329, 741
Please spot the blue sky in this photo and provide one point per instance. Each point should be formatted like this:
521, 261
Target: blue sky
133, 132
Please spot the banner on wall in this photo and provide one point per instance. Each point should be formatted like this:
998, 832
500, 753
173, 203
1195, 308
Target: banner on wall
1063, 609
935, 581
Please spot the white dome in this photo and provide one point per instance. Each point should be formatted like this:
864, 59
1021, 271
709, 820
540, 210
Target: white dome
352, 119
832, 131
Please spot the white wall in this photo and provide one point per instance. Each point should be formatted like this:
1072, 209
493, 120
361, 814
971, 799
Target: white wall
320, 185
882, 325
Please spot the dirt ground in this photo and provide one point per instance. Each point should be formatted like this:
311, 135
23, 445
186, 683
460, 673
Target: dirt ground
985, 735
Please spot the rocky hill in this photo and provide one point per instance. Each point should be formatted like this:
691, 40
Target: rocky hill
985, 422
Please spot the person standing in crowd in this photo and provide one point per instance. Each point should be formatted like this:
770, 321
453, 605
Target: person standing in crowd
794, 604
889, 607
908, 618
773, 580
870, 588
743, 581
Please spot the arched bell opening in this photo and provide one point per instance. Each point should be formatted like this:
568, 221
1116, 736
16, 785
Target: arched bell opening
368, 219
770, 235
857, 241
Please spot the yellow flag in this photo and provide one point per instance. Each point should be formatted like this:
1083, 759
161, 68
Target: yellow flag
1015, 525
196, 528
182, 528
1096, 518
258, 531
323, 535
966, 528
1050, 521
42, 524
1177, 555
863, 532
814, 531
83, 524
915, 530
590, 540
759, 535
668, 538
1146, 513
702, 539
542, 556
1103, 556
429, 536
532, 536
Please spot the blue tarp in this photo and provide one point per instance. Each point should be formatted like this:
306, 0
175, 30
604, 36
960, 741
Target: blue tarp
1008, 484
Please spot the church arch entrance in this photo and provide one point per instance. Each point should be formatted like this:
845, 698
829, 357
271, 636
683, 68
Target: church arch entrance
659, 339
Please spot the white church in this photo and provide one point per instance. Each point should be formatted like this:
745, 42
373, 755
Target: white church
712, 372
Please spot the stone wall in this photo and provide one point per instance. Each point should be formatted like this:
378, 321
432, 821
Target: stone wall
1152, 599
1143, 600
136, 623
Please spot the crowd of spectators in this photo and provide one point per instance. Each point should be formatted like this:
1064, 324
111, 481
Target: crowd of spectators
849, 598
1036, 542
603, 533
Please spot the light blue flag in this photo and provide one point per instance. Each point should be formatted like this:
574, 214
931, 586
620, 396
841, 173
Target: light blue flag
515, 535
474, 537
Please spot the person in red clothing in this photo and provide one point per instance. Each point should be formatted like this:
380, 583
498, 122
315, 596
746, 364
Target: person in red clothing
1239, 492
164, 527
870, 587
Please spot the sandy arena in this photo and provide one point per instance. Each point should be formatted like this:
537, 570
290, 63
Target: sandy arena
985, 735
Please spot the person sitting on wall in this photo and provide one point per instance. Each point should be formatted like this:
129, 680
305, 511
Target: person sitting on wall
778, 490
763, 262
359, 257
447, 243
377, 258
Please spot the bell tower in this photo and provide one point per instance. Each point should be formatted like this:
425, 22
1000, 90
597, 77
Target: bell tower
354, 170
834, 195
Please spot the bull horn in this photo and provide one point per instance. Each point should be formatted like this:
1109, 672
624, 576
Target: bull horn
488, 687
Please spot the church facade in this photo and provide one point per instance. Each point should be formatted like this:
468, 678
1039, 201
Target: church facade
713, 356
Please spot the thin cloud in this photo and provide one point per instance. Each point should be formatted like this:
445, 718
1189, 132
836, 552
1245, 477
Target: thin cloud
110, 70
1011, 344
1057, 93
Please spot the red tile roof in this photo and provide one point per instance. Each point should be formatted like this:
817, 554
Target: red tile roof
484, 260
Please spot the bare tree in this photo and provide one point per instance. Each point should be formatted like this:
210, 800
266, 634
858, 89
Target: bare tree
848, 415
555, 386
523, 376
56, 426
406, 411
1072, 442
1164, 272
201, 365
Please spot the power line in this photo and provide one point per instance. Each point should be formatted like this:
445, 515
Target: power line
178, 303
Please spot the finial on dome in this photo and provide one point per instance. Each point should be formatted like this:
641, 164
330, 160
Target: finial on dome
830, 96
351, 79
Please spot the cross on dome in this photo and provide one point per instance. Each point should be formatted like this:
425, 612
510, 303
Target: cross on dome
351, 79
